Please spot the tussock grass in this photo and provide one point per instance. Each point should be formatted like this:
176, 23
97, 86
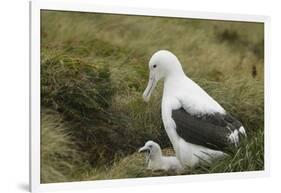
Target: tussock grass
102, 126
58, 154
93, 73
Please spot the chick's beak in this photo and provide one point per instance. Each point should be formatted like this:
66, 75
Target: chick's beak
144, 149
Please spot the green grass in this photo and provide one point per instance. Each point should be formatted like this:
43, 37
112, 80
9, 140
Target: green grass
93, 73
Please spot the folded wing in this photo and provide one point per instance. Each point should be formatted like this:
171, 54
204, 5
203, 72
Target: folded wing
215, 131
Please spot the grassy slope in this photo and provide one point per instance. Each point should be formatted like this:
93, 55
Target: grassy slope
83, 53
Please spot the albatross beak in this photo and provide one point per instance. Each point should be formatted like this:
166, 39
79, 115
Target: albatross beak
149, 89
143, 149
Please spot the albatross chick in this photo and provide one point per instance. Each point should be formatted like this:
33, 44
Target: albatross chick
156, 161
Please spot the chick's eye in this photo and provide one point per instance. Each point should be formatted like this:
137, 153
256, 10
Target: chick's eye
150, 146
154, 66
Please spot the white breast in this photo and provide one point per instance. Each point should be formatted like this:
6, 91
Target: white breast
171, 163
165, 163
188, 95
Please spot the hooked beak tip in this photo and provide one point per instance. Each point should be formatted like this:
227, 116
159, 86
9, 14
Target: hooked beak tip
149, 89
145, 98
143, 149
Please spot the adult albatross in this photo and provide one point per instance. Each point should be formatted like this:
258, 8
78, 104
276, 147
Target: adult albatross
197, 126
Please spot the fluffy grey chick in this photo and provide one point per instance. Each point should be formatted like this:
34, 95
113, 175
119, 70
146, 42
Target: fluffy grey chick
158, 162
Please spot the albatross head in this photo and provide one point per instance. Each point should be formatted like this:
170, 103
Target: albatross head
162, 64
152, 148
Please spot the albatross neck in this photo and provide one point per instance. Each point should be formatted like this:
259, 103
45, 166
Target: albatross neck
157, 156
175, 76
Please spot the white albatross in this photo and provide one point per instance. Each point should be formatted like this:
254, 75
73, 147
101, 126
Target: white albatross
197, 126
156, 161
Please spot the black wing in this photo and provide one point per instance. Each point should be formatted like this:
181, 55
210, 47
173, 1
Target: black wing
211, 131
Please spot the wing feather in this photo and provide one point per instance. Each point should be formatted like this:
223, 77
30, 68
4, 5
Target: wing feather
213, 131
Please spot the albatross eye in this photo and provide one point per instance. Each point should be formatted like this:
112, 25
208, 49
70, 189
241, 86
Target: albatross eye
154, 66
